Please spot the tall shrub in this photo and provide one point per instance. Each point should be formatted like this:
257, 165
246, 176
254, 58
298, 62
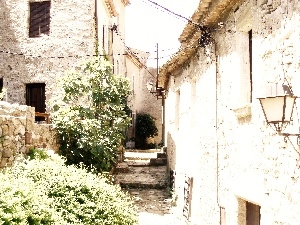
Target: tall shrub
90, 115
145, 128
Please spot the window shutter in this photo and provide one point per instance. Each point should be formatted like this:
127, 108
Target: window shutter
39, 19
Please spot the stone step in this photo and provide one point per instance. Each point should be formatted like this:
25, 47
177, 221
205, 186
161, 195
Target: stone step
143, 151
158, 162
141, 185
142, 177
137, 155
161, 155
138, 162
122, 168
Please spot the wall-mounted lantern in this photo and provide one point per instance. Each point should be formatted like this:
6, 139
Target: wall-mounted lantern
278, 109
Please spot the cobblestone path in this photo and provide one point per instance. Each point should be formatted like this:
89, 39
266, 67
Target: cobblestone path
147, 184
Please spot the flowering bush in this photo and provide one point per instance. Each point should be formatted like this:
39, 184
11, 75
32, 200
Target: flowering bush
49, 192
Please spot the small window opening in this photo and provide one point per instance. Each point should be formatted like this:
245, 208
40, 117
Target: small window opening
39, 22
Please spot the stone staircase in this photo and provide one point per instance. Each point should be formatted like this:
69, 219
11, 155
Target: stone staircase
143, 174
142, 169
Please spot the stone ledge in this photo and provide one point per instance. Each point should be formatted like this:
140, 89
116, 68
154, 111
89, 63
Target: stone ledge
142, 185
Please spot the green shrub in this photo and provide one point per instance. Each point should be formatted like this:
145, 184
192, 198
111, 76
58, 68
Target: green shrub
145, 128
49, 192
37, 154
90, 115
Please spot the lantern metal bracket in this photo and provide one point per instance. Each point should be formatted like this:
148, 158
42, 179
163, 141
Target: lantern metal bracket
286, 135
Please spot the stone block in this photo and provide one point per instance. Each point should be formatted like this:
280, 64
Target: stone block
7, 153
158, 162
3, 162
4, 130
161, 155
122, 168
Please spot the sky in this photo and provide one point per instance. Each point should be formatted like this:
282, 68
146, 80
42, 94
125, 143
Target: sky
147, 25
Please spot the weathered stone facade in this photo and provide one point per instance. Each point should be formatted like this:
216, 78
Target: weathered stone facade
19, 132
71, 41
141, 100
215, 128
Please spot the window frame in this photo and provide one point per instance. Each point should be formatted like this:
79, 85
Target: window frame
39, 19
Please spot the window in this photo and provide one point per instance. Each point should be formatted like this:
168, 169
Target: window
1, 84
252, 214
35, 96
248, 213
245, 54
39, 23
250, 64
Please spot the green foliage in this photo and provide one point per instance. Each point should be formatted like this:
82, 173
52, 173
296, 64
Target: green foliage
49, 192
90, 115
37, 154
145, 128
161, 144
151, 146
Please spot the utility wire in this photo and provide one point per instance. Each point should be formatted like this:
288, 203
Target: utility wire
176, 14
128, 49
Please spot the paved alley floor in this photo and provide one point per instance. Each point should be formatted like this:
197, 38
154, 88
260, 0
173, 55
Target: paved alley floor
148, 186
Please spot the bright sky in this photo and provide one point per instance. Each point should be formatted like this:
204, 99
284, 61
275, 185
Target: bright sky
146, 25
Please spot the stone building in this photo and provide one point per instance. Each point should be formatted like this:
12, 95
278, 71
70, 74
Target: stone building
230, 166
41, 39
141, 100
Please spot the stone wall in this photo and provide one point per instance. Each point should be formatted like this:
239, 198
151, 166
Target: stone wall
19, 132
218, 135
43, 59
71, 42
141, 100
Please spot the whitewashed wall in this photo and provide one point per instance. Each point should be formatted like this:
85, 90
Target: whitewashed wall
219, 138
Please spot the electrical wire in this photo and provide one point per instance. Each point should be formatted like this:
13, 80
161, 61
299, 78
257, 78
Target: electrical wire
129, 50
62, 56
197, 25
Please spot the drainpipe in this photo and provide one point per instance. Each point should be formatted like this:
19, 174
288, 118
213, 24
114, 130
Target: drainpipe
217, 127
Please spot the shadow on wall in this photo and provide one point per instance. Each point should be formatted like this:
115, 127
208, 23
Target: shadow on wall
171, 157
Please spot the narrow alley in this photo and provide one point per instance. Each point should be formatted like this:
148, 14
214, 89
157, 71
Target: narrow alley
143, 174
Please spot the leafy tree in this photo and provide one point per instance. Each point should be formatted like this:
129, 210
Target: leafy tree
90, 115
145, 128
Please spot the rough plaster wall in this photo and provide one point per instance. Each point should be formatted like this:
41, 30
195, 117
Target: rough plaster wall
119, 39
193, 140
147, 102
254, 163
45, 58
140, 100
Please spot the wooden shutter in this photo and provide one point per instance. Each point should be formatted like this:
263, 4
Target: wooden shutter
39, 19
